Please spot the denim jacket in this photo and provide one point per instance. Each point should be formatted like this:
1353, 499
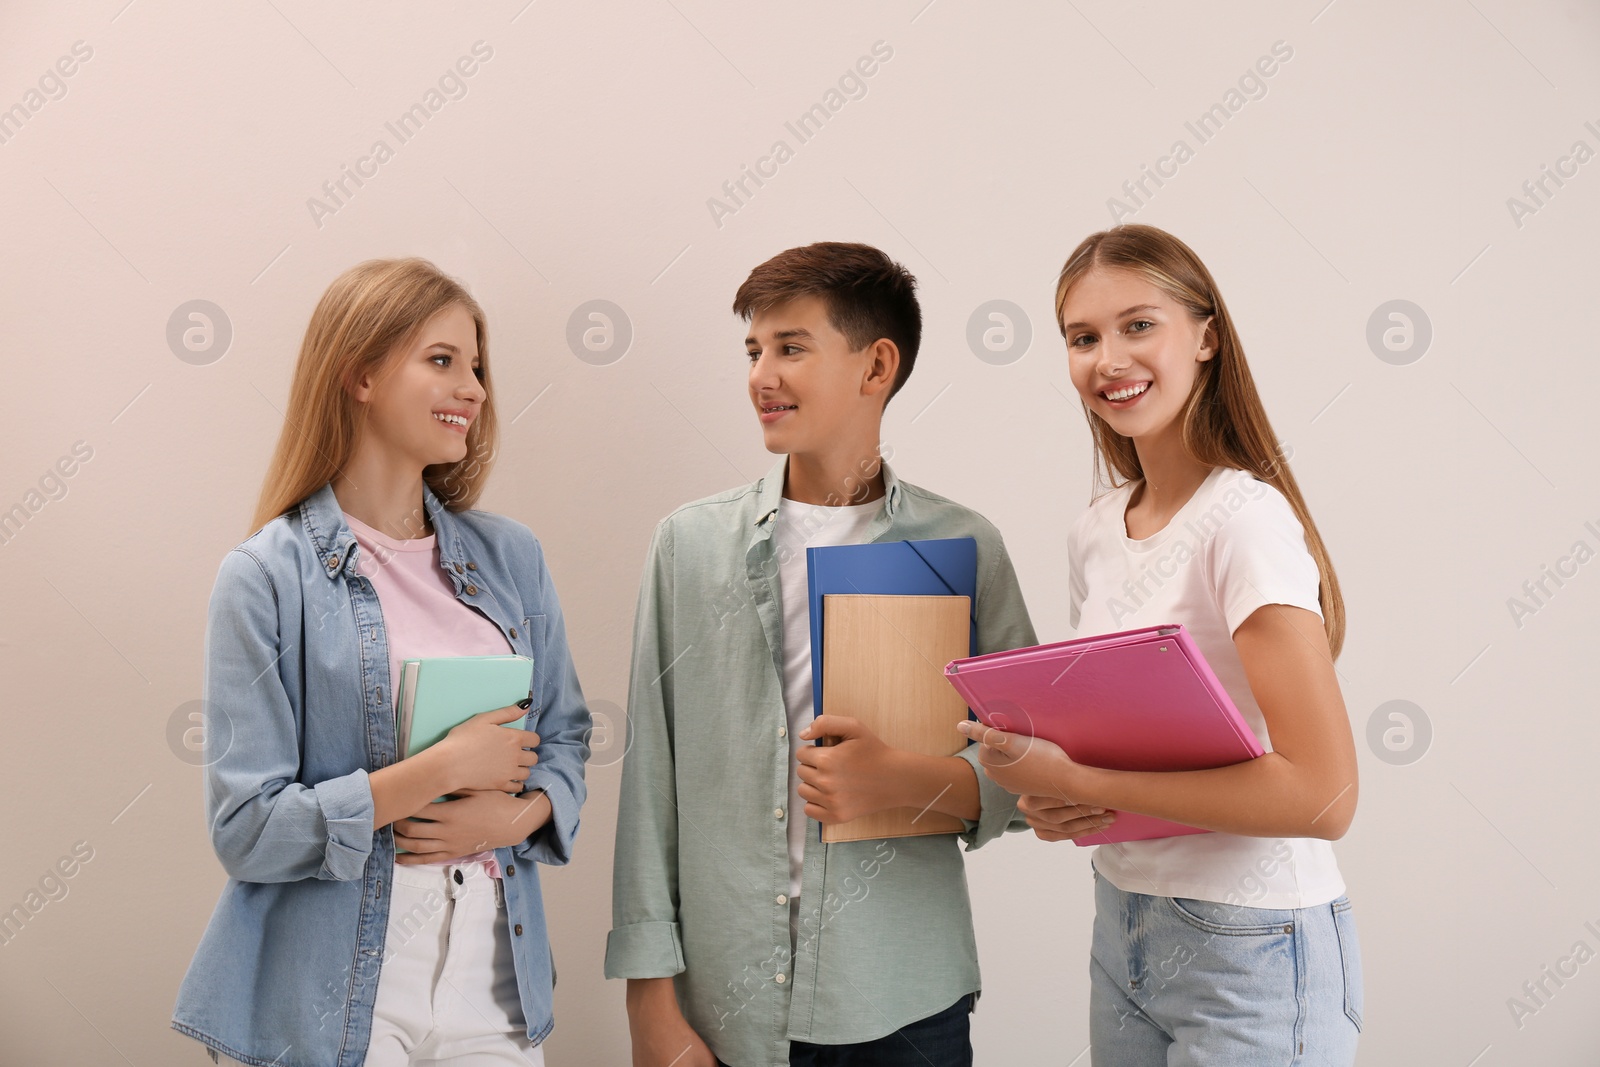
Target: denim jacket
298, 714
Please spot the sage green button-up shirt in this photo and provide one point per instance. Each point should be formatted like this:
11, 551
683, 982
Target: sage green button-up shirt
702, 856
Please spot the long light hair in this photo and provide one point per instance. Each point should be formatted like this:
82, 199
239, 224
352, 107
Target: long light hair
365, 314
1223, 423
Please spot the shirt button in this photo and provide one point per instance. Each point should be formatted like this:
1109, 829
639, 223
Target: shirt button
472, 590
777, 813
517, 929
511, 870
782, 899
457, 566
513, 631
471, 566
458, 878
783, 731
780, 979
333, 561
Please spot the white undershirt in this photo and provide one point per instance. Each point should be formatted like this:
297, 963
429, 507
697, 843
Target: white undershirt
799, 527
1234, 547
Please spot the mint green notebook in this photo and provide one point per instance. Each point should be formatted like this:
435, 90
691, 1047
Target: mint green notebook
436, 695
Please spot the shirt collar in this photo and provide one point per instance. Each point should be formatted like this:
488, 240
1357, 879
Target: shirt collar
331, 537
769, 494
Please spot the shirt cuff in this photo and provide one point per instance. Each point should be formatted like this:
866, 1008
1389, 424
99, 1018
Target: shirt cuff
551, 844
644, 950
347, 809
997, 809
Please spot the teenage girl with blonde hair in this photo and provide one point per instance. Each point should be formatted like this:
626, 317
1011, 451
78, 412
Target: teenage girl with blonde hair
326, 948
1236, 947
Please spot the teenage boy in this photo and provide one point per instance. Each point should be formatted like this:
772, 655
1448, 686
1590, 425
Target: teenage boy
744, 939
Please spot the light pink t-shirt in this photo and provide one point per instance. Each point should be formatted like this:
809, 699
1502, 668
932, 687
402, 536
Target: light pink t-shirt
421, 614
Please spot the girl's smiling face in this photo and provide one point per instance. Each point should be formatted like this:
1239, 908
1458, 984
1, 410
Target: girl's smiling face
423, 407
1133, 351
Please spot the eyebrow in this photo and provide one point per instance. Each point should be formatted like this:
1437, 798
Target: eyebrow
784, 335
1119, 315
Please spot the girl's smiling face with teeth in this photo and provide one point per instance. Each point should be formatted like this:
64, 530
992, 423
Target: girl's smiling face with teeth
423, 403
1132, 350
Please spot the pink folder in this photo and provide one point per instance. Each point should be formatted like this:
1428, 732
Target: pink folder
1141, 700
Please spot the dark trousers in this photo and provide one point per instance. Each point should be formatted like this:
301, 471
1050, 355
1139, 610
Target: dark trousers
941, 1040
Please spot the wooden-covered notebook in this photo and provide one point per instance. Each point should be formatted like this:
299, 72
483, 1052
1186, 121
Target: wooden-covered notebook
884, 665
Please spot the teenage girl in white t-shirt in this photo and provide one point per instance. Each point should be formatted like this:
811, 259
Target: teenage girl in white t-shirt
1236, 947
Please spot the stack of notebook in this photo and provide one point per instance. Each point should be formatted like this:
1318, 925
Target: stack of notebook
885, 619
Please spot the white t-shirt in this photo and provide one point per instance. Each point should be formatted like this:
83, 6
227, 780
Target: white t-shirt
799, 527
1234, 547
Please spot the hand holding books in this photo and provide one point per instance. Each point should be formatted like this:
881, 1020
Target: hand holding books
440, 719
1056, 720
444, 703
486, 752
846, 776
1018, 763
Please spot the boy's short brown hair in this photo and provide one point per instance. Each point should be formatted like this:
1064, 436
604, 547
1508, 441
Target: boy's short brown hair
868, 295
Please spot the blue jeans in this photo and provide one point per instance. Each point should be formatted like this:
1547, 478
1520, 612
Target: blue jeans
941, 1040
1176, 982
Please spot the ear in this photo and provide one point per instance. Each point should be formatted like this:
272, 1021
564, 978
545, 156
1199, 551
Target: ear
883, 364
359, 385
1208, 340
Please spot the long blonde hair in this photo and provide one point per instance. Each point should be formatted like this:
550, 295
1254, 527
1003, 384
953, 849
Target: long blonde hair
1223, 423
367, 311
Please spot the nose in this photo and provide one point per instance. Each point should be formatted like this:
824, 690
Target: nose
471, 390
1111, 359
763, 372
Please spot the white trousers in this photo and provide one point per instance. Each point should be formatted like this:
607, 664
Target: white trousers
447, 993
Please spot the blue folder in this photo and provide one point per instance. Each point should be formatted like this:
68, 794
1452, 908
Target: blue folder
944, 567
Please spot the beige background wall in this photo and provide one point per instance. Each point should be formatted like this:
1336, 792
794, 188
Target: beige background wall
176, 162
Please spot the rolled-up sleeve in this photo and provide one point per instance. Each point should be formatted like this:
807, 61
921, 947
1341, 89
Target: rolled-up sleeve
997, 809
266, 826
563, 726
646, 940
